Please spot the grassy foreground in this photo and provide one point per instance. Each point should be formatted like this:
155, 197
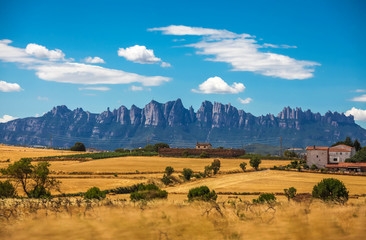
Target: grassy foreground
230, 219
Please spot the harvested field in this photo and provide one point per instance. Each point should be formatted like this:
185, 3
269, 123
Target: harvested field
271, 181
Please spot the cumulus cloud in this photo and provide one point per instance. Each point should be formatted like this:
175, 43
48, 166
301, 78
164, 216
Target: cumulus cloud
71, 72
245, 101
360, 90
93, 60
243, 53
219, 86
140, 54
138, 88
7, 118
42, 52
103, 89
359, 114
361, 98
9, 87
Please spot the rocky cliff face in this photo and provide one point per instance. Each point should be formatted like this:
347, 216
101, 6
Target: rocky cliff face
171, 122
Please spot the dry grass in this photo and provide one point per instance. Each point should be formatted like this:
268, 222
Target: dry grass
271, 181
163, 220
15, 153
153, 164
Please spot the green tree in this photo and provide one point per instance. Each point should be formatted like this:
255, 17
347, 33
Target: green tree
357, 145
166, 180
202, 193
347, 141
290, 193
254, 162
35, 180
78, 146
187, 173
243, 166
149, 148
169, 170
215, 166
94, 193
268, 198
207, 171
148, 192
360, 156
289, 154
160, 145
330, 189
7, 190
204, 155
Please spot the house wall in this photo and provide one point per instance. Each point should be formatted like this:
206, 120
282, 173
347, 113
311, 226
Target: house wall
317, 157
340, 156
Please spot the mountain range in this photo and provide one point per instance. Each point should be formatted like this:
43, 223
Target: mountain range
217, 123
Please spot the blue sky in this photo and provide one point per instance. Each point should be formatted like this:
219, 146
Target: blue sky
259, 56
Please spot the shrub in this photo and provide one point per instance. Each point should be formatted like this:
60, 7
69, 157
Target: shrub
254, 162
94, 193
39, 192
78, 146
202, 193
169, 170
265, 198
160, 145
243, 166
215, 166
148, 192
313, 167
185, 154
290, 193
294, 164
7, 190
187, 173
204, 155
306, 166
166, 180
330, 189
208, 171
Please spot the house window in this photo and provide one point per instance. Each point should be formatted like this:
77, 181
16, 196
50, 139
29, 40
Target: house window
316, 156
335, 159
340, 153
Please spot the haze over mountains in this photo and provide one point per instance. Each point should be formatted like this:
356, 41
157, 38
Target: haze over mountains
220, 124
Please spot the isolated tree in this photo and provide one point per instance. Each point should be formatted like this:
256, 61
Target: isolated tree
78, 146
290, 193
243, 166
35, 180
94, 193
202, 193
169, 170
187, 173
331, 189
208, 171
254, 162
215, 166
268, 198
357, 145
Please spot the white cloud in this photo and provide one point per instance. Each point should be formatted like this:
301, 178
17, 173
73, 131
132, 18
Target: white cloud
245, 101
138, 54
138, 88
70, 72
165, 64
9, 87
39, 98
360, 90
42, 52
93, 60
7, 118
218, 86
242, 51
359, 114
361, 98
103, 89
268, 45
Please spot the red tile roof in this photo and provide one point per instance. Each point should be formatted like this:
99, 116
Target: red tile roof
317, 148
339, 150
342, 145
346, 165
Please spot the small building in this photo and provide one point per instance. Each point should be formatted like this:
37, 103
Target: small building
349, 167
321, 156
203, 145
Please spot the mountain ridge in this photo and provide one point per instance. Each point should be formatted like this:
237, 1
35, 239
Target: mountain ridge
171, 122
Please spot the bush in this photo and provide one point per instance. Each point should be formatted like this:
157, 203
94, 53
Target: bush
290, 193
78, 146
148, 192
306, 166
166, 180
202, 193
169, 170
204, 155
330, 189
185, 154
265, 198
122, 150
187, 173
313, 167
243, 166
94, 193
254, 162
160, 145
7, 190
215, 166
39, 192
